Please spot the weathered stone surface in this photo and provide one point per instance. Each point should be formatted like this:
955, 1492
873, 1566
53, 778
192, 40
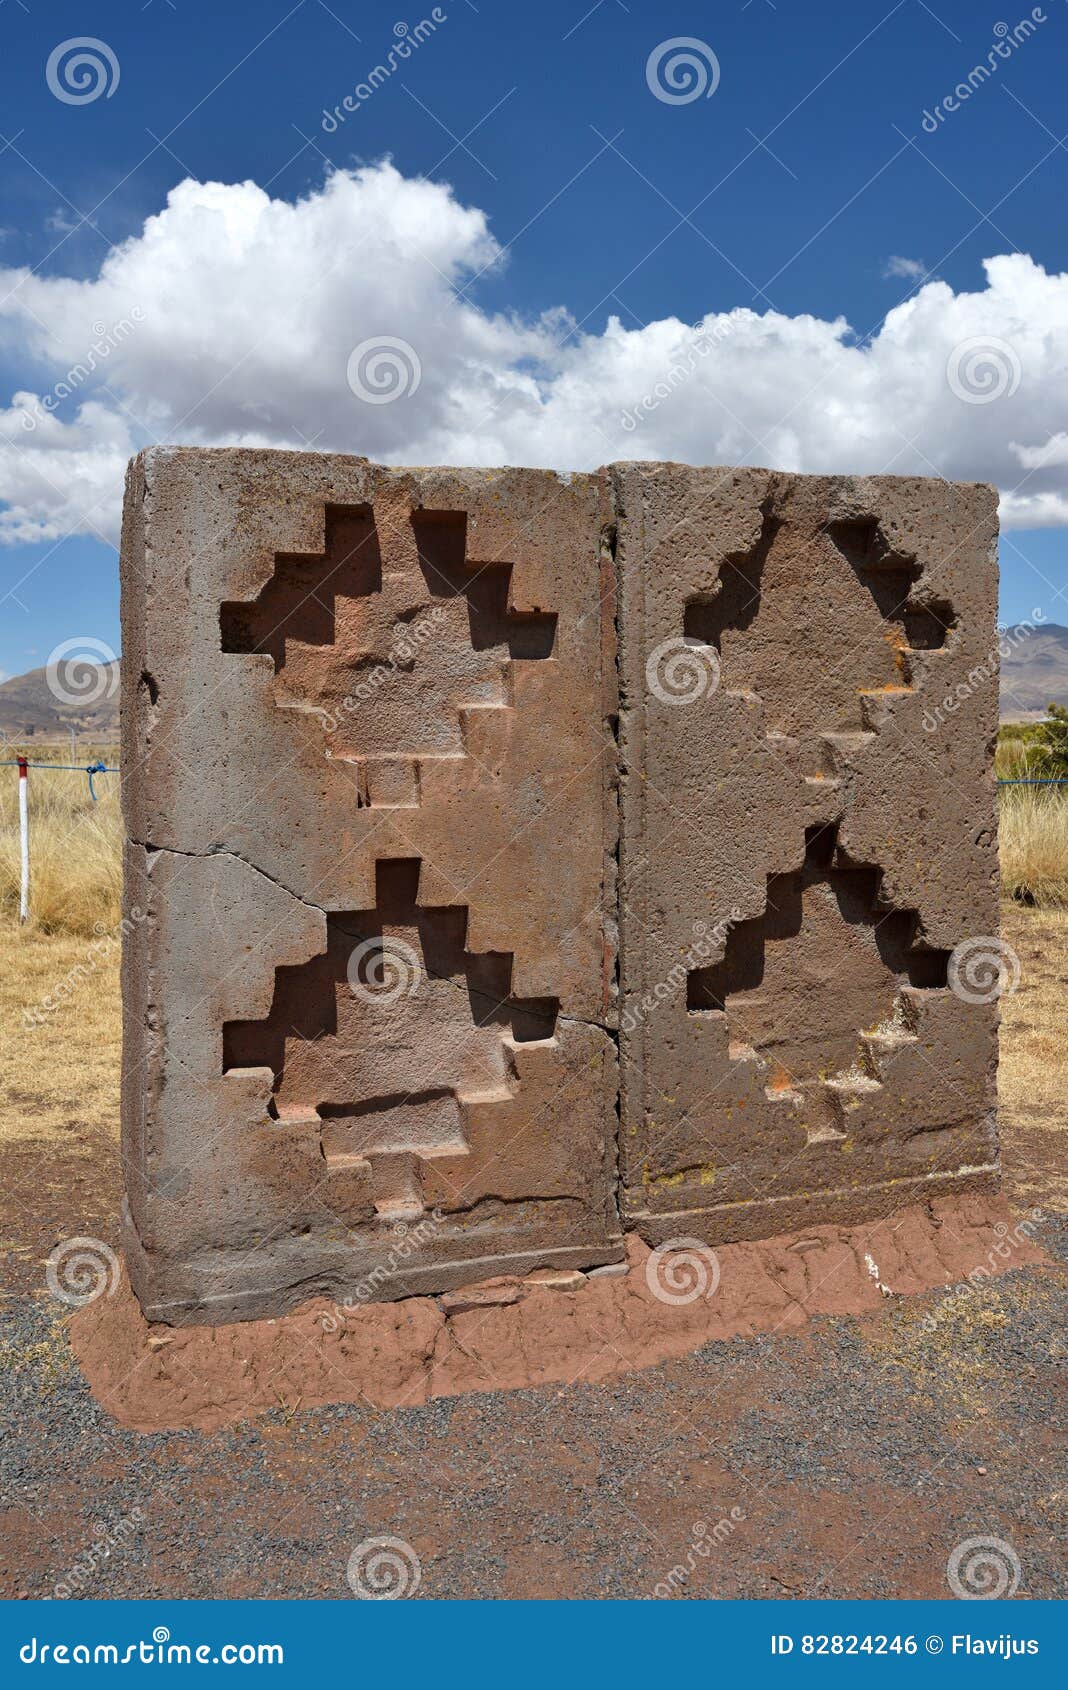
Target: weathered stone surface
370, 802
388, 735
801, 851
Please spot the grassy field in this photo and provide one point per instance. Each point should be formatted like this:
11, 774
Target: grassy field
1033, 827
59, 975
76, 845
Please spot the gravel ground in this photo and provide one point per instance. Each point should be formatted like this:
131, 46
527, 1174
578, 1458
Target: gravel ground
848, 1461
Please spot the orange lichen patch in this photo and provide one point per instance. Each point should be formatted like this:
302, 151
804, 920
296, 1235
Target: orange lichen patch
779, 1079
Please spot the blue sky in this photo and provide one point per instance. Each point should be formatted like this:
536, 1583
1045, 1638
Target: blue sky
806, 184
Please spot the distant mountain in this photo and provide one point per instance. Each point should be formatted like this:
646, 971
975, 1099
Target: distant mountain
80, 697
84, 697
1034, 670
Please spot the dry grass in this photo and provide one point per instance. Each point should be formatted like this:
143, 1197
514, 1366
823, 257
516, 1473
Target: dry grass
1033, 1076
1010, 758
1033, 833
75, 848
59, 975
1033, 826
58, 1066
1017, 745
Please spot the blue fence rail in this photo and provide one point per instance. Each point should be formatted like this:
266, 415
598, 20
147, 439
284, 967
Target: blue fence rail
89, 769
92, 769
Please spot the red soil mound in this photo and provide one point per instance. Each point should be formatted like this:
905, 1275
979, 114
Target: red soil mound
535, 1331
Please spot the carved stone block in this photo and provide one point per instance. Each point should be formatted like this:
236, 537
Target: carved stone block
516, 859
370, 800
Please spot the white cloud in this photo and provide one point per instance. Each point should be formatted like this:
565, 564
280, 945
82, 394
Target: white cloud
908, 269
231, 318
1051, 454
61, 478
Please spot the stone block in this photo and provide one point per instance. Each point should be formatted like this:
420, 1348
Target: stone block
370, 803
804, 845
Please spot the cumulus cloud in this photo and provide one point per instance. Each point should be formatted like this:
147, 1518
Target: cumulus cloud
232, 318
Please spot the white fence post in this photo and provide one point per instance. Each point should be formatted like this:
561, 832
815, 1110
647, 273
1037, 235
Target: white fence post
24, 842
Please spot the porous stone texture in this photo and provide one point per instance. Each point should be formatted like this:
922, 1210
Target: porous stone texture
406, 751
801, 851
370, 879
